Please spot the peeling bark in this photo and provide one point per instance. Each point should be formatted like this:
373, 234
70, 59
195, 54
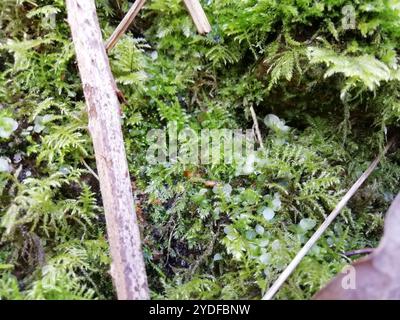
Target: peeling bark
128, 269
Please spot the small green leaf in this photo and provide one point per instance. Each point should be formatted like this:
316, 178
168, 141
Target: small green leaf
263, 243
250, 234
276, 203
307, 224
40, 122
265, 258
7, 127
268, 213
5, 165
218, 257
260, 229
276, 245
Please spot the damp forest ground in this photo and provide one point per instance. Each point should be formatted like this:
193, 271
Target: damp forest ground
324, 84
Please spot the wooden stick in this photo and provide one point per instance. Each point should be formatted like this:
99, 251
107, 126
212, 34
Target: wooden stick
128, 269
303, 252
198, 15
194, 7
257, 128
124, 24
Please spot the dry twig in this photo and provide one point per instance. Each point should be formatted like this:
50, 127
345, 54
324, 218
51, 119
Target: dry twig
303, 252
257, 128
125, 23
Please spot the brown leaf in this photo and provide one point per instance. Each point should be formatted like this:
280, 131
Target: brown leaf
378, 275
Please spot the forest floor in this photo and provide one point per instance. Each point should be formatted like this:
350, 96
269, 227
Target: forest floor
327, 99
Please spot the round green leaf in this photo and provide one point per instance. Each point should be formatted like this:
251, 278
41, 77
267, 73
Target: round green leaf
268, 213
265, 258
5, 165
260, 229
307, 224
7, 127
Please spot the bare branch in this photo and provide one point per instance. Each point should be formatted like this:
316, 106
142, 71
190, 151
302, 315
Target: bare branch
128, 267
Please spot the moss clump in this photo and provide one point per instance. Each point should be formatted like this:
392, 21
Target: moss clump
334, 95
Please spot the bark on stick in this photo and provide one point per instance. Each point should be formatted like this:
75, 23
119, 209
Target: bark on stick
128, 267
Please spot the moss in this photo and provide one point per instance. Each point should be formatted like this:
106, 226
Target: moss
335, 96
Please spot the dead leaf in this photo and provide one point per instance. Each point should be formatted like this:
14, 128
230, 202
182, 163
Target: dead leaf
376, 276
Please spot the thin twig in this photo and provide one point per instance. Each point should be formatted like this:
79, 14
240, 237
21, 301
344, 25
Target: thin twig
194, 7
90, 169
257, 128
169, 243
310, 243
206, 253
359, 252
125, 23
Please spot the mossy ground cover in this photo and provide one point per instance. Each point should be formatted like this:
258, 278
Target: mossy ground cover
333, 89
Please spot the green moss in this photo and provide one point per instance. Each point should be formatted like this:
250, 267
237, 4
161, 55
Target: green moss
335, 91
